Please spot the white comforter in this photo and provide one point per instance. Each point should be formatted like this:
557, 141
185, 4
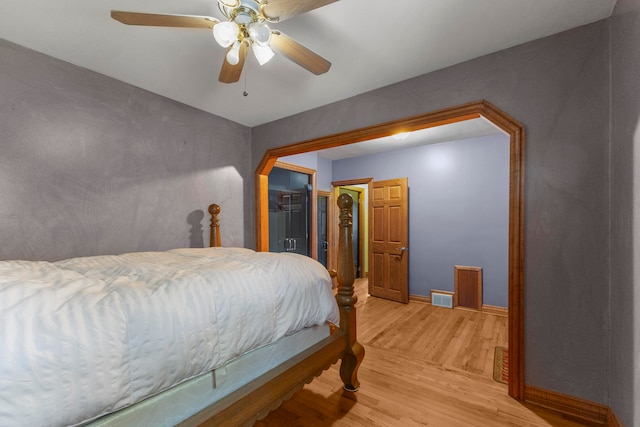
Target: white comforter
84, 337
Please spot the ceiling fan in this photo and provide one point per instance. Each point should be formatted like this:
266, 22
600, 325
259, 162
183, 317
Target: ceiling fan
246, 26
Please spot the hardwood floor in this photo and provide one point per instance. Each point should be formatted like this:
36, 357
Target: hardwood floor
424, 366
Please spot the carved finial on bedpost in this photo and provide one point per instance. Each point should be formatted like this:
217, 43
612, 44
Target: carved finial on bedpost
346, 298
214, 242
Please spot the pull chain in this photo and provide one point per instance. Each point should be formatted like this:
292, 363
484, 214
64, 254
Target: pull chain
245, 93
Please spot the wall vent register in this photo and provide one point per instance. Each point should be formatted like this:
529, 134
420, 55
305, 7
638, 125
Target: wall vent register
442, 299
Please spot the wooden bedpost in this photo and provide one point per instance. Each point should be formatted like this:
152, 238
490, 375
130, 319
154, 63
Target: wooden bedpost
214, 210
354, 352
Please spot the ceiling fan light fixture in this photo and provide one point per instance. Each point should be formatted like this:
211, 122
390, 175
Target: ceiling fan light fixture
262, 53
245, 26
229, 3
233, 56
260, 33
226, 33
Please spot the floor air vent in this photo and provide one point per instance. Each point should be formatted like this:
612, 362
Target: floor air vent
442, 299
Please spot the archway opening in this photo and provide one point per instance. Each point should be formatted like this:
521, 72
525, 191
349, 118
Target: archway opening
474, 110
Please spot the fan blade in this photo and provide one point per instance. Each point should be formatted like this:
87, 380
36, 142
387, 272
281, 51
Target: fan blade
163, 20
299, 54
231, 73
279, 10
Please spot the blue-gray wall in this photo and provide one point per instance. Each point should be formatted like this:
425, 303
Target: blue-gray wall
90, 165
458, 209
324, 177
624, 377
558, 87
311, 160
307, 160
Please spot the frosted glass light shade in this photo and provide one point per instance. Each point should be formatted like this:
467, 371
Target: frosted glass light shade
230, 3
226, 33
260, 33
262, 53
233, 56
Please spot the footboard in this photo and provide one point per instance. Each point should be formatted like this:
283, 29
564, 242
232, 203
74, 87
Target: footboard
255, 400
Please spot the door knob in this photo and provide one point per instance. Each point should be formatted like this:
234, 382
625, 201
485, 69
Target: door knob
404, 248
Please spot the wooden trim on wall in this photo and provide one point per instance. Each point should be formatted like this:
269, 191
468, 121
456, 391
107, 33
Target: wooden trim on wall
488, 309
294, 168
516, 133
420, 298
568, 405
262, 211
455, 114
495, 310
348, 182
613, 420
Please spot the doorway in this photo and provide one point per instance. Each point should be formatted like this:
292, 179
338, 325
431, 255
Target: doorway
323, 227
358, 227
460, 113
291, 209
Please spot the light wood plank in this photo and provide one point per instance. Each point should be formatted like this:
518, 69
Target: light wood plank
425, 365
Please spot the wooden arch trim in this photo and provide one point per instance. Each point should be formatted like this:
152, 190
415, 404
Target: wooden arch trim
473, 110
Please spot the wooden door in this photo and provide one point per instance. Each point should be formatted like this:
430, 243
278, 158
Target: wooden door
389, 240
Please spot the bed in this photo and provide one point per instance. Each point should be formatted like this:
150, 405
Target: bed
210, 336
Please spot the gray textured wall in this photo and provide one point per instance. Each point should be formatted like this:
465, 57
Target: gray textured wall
624, 378
558, 87
90, 165
458, 209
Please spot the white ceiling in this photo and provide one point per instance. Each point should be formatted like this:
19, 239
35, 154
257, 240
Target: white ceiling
371, 44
